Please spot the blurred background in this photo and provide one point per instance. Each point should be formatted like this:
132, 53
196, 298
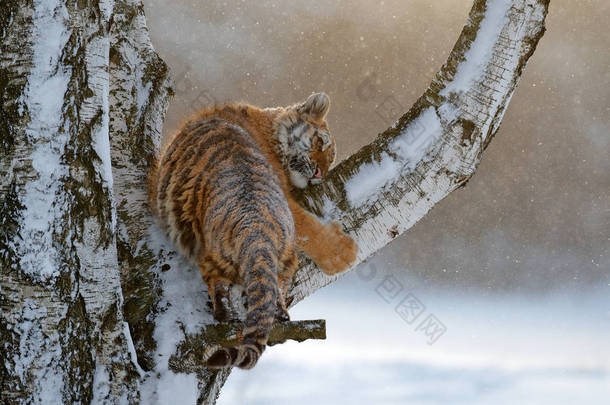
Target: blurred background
510, 276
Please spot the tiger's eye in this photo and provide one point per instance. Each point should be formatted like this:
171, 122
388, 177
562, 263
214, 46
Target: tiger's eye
318, 142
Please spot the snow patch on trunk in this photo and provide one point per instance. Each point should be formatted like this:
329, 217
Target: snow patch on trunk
107, 7
44, 98
183, 311
132, 350
39, 345
99, 77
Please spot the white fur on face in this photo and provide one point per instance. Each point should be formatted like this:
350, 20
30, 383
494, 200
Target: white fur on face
297, 179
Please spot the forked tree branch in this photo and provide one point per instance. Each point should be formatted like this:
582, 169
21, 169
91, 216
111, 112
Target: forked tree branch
432, 150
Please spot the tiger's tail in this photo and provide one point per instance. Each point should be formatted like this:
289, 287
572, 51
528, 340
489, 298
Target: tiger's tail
262, 289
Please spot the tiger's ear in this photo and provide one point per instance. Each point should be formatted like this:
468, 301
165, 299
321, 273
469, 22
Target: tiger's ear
316, 106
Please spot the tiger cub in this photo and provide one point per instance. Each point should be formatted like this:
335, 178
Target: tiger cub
221, 189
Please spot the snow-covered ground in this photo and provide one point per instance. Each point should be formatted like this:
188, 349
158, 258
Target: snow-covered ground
497, 349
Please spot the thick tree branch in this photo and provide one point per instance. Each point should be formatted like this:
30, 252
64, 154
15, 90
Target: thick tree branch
192, 352
232, 334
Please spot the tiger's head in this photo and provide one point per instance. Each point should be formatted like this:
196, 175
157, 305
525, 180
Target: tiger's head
304, 142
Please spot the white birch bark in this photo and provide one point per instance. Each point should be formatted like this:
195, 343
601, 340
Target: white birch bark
61, 325
81, 83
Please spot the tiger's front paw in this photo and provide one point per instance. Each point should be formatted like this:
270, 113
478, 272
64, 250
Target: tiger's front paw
339, 251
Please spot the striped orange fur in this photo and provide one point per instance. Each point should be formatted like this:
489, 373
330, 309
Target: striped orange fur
221, 189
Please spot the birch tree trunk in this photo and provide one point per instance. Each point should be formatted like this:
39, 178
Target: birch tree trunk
83, 99
63, 336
